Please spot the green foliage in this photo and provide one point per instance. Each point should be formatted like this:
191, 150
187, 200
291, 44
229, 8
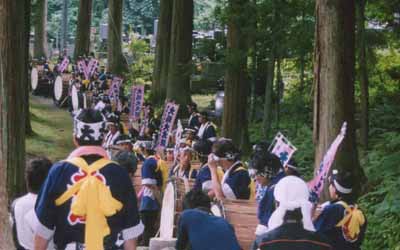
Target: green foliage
141, 69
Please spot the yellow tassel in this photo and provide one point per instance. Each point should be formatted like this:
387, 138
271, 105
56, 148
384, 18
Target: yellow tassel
353, 220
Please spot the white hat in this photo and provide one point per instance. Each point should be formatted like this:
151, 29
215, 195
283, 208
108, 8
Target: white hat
291, 192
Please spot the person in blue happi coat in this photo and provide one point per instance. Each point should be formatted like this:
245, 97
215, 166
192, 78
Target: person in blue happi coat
87, 201
268, 172
207, 129
198, 229
340, 219
236, 182
183, 169
194, 118
151, 191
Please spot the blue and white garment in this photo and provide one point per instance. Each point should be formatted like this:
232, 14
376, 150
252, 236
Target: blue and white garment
260, 191
236, 182
207, 132
151, 175
187, 173
326, 223
193, 121
203, 179
266, 206
65, 228
202, 231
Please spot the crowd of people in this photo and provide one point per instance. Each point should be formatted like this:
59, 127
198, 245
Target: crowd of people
88, 200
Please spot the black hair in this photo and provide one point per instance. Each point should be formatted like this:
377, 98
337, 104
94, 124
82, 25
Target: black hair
36, 172
345, 179
225, 148
196, 198
264, 161
204, 114
293, 215
203, 148
127, 160
89, 116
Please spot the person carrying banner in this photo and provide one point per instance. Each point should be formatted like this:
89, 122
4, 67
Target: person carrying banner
183, 168
341, 220
198, 229
236, 182
87, 201
290, 226
206, 130
268, 172
193, 121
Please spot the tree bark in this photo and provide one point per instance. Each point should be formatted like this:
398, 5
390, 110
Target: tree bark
27, 82
180, 57
160, 74
82, 39
116, 61
334, 83
234, 119
64, 26
362, 61
12, 117
40, 43
269, 90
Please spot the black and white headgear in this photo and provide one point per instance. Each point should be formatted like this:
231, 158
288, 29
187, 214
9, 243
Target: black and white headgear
266, 164
89, 126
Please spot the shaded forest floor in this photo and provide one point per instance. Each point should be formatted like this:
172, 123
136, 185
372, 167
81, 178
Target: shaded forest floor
52, 130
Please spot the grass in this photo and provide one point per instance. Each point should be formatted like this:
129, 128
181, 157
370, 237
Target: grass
203, 101
52, 130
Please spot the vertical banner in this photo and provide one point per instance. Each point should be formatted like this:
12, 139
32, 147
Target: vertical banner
178, 135
316, 185
145, 121
92, 67
167, 122
63, 65
282, 148
137, 99
114, 93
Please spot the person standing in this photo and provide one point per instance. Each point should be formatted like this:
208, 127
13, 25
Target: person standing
206, 130
193, 121
87, 201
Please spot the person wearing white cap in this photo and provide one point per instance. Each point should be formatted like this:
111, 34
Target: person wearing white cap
290, 226
183, 169
341, 221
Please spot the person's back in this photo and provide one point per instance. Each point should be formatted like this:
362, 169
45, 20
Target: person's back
293, 236
23, 212
207, 232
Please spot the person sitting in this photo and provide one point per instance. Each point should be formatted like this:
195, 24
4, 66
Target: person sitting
203, 180
151, 190
198, 229
268, 172
193, 121
183, 168
290, 226
236, 181
22, 209
87, 201
206, 130
341, 221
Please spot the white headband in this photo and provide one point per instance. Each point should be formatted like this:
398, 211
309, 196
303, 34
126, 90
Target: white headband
342, 189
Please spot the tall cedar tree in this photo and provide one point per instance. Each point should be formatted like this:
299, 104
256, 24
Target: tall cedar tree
334, 83
234, 120
27, 84
82, 40
40, 41
180, 57
160, 74
363, 74
116, 61
12, 118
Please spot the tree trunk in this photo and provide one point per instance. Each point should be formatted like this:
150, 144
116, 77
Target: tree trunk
82, 40
40, 43
302, 73
279, 91
64, 26
363, 75
160, 74
12, 117
116, 61
27, 82
334, 83
267, 119
180, 64
234, 119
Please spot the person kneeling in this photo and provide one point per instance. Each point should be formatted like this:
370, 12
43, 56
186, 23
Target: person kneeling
290, 226
200, 230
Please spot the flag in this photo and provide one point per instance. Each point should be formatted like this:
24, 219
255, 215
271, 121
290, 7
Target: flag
167, 122
137, 98
316, 185
282, 148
